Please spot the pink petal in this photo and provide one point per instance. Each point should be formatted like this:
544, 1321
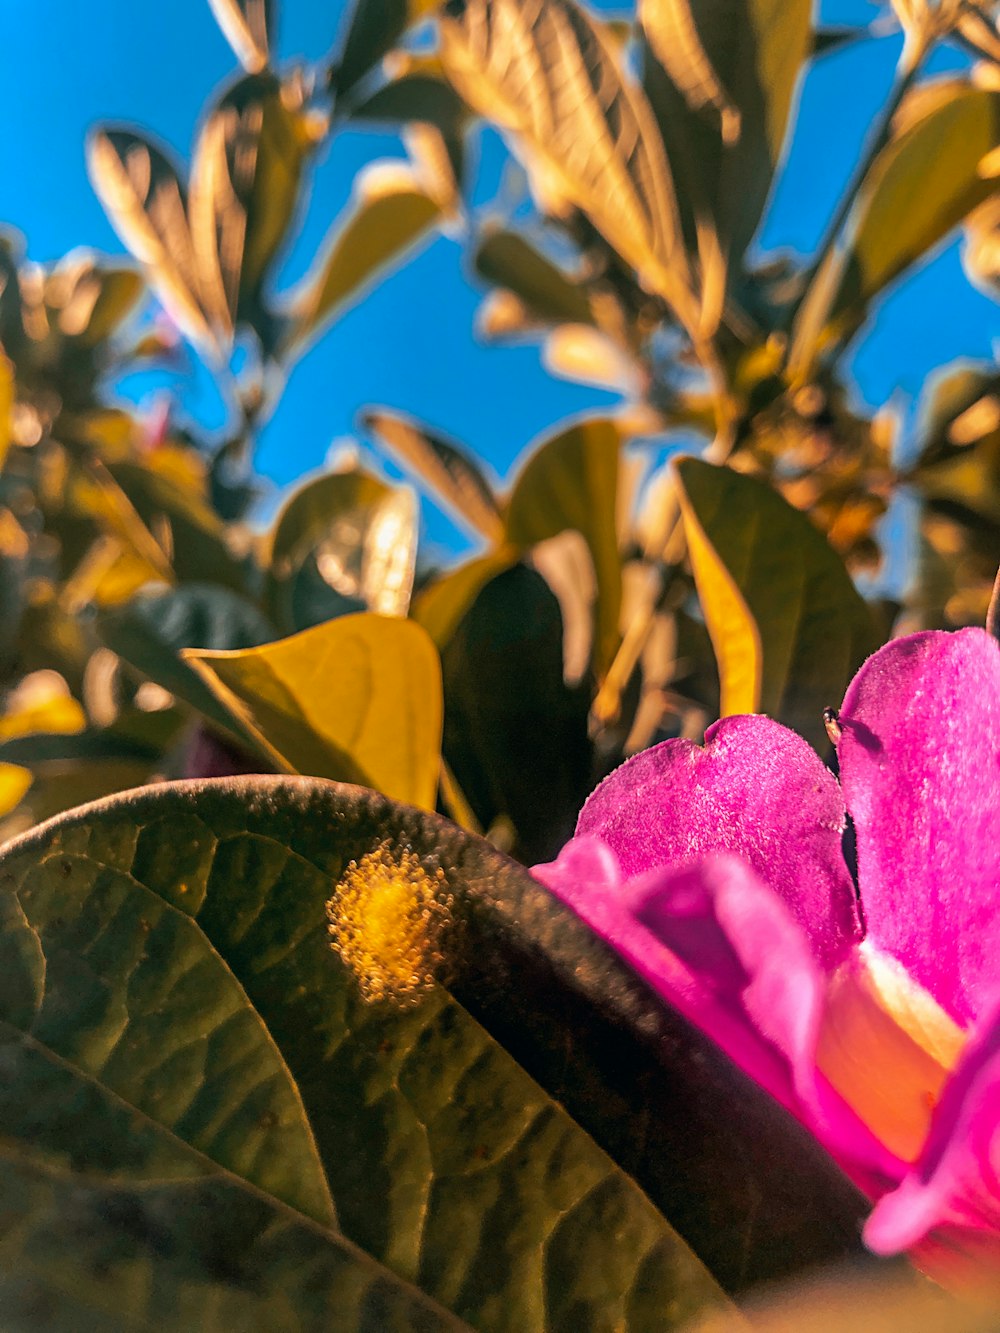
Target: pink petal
949, 1203
716, 943
920, 768
757, 790
586, 877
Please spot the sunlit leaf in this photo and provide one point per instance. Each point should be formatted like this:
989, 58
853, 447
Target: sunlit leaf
920, 188
788, 626
374, 28
41, 703
725, 101
267, 1148
14, 784
550, 76
249, 28
119, 292
356, 699
141, 190
343, 542
570, 481
451, 473
245, 182
390, 216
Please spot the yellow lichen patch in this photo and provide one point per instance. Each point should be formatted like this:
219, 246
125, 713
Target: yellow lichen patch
387, 920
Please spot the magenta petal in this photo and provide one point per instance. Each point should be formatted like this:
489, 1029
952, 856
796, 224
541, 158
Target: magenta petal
716, 943
757, 790
920, 768
954, 1189
587, 879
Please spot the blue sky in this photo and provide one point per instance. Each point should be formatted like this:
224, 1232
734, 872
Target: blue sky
410, 345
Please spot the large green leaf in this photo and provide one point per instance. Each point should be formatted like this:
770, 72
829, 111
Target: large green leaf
391, 215
551, 77
570, 481
151, 630
723, 98
921, 186
245, 182
199, 1074
788, 626
358, 698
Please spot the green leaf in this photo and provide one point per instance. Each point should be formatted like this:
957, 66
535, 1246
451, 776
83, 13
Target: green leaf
920, 187
249, 27
551, 77
723, 99
441, 604
245, 192
788, 626
571, 481
508, 260
419, 96
151, 630
390, 217
515, 733
356, 699
450, 472
375, 27
177, 921
142, 192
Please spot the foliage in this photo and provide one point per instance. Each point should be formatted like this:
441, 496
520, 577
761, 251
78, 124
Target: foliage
155, 626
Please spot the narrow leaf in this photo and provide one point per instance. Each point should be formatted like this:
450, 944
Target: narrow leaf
143, 195
389, 218
356, 699
375, 27
921, 186
245, 183
249, 28
724, 99
453, 476
788, 626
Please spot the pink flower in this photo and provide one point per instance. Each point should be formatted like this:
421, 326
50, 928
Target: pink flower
871, 1013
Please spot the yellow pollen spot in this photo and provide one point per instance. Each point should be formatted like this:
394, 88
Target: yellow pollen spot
387, 918
887, 1047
